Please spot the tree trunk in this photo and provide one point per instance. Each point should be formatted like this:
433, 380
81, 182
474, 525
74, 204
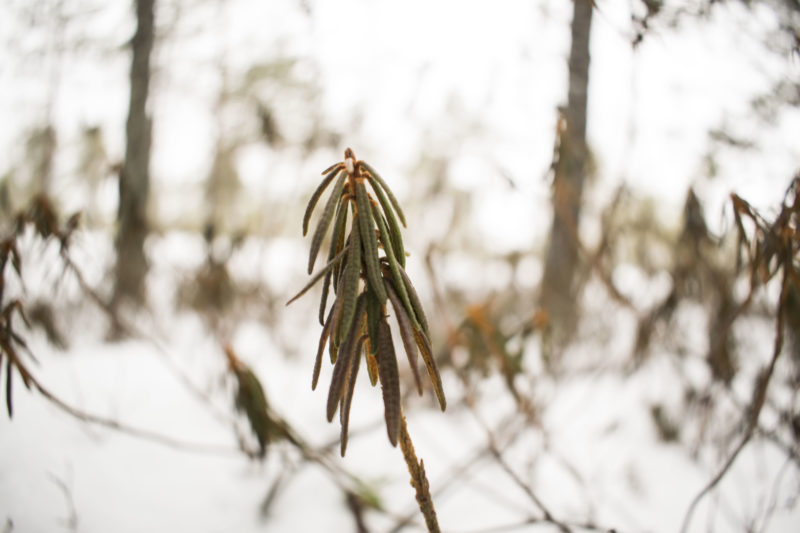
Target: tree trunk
134, 179
559, 293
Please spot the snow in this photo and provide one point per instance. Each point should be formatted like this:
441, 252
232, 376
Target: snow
479, 91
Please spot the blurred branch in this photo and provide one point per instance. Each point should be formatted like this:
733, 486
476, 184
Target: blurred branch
759, 395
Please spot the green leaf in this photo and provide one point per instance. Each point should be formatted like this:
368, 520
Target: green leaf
343, 362
394, 267
406, 332
386, 188
323, 337
415, 302
315, 197
323, 301
316, 277
333, 166
394, 227
352, 273
370, 242
325, 221
251, 400
427, 356
338, 238
348, 397
374, 315
337, 317
390, 381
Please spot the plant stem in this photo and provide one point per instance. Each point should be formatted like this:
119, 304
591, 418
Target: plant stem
418, 479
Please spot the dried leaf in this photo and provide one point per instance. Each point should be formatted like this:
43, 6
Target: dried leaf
325, 221
386, 189
390, 381
344, 361
315, 197
430, 364
9, 403
394, 227
348, 397
352, 272
333, 350
16, 261
406, 332
370, 242
316, 277
372, 369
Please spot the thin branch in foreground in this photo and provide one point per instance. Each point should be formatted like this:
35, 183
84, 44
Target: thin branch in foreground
759, 396
140, 433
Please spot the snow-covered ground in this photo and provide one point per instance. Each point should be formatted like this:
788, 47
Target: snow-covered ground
482, 99
593, 456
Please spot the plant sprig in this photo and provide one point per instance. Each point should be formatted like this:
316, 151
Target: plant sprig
363, 280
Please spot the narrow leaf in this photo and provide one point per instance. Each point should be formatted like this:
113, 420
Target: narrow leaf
333, 350
348, 397
370, 242
9, 403
390, 381
349, 294
343, 362
394, 227
325, 221
430, 363
406, 332
323, 301
337, 316
395, 268
374, 315
415, 302
315, 197
338, 238
386, 188
316, 277
372, 369
333, 166
326, 330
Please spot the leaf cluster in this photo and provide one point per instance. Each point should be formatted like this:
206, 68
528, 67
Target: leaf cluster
42, 217
363, 280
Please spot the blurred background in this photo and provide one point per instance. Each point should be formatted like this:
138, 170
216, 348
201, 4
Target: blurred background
602, 210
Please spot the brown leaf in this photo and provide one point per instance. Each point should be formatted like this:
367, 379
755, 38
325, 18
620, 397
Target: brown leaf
430, 363
406, 332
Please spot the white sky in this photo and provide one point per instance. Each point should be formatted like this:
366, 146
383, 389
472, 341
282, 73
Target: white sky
399, 64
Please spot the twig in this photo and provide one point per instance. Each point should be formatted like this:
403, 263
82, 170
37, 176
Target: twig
548, 516
130, 430
757, 402
418, 478
72, 519
585, 526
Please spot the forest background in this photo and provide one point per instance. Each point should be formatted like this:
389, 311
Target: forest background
602, 205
